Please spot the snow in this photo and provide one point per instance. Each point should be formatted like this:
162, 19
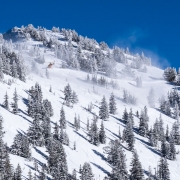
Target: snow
86, 152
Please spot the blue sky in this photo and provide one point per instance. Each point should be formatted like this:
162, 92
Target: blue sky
152, 26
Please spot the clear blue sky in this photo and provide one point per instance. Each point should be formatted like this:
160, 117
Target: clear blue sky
149, 25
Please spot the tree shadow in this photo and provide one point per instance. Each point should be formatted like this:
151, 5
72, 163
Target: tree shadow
153, 78
120, 120
112, 133
132, 84
25, 118
144, 142
99, 154
101, 168
41, 153
89, 111
153, 150
81, 135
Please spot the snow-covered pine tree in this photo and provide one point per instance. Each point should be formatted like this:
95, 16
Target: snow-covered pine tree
57, 163
50, 89
172, 148
8, 168
164, 148
74, 175
67, 95
136, 168
79, 122
14, 105
42, 175
163, 169
86, 173
30, 177
21, 146
6, 101
62, 120
176, 133
118, 161
76, 123
112, 104
176, 111
74, 98
1, 70
56, 132
87, 124
130, 116
18, 173
46, 128
170, 74
167, 133
93, 133
47, 108
103, 110
102, 135
128, 135
35, 132
125, 116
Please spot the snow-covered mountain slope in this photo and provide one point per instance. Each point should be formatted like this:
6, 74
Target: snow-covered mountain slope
87, 92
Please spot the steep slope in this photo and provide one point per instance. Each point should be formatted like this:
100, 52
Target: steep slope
87, 93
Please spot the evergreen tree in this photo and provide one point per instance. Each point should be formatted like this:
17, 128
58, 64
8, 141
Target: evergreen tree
30, 177
102, 135
56, 132
67, 95
170, 74
167, 133
128, 136
76, 124
21, 146
47, 73
93, 133
74, 176
142, 127
125, 116
130, 116
86, 173
136, 168
18, 173
14, 72
35, 133
164, 148
112, 104
74, 98
62, 119
57, 161
176, 111
42, 175
103, 110
46, 128
1, 70
176, 133
14, 105
172, 148
87, 124
163, 169
6, 101
79, 122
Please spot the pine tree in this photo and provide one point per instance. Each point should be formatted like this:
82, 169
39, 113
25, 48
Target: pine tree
62, 119
76, 123
112, 104
130, 116
18, 173
125, 116
87, 124
74, 98
163, 169
176, 133
6, 102
93, 133
21, 146
118, 161
164, 148
136, 168
142, 127
167, 133
50, 89
102, 135
67, 95
30, 177
176, 111
56, 132
172, 148
3, 152
86, 173
103, 110
1, 70
57, 161
14, 105
128, 136
79, 122
42, 175
74, 176
119, 134
14, 72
